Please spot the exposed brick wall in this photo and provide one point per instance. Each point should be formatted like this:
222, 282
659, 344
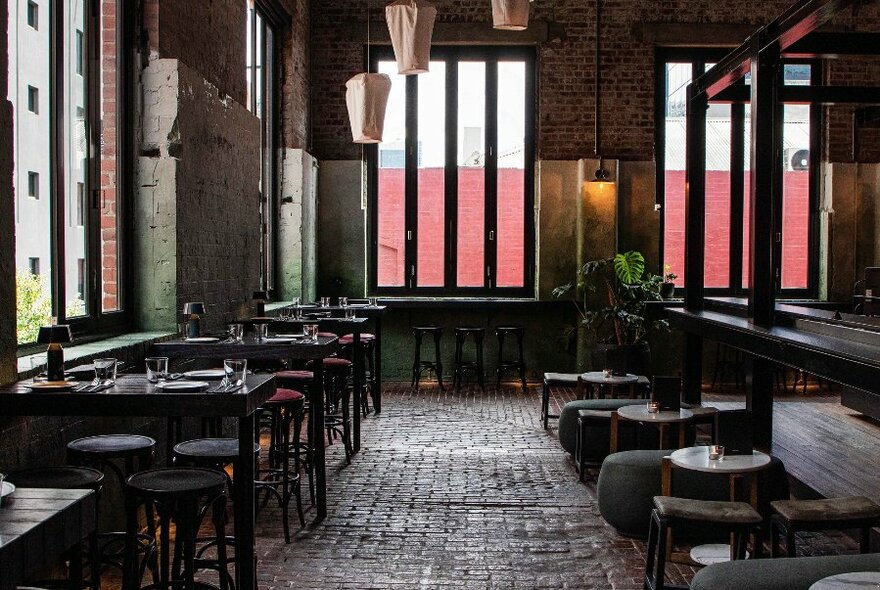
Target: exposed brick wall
565, 69
207, 35
295, 76
839, 120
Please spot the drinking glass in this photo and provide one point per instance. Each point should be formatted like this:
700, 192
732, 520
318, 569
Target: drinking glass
653, 407
343, 302
716, 452
38, 366
325, 302
311, 332
2, 478
105, 370
350, 312
262, 331
157, 368
236, 332
374, 301
236, 370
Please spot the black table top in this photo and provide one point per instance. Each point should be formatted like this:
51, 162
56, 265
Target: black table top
249, 349
133, 395
37, 525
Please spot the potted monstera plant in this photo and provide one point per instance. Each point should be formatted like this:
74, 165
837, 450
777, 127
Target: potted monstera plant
611, 297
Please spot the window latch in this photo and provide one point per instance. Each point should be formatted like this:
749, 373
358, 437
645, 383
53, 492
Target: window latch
778, 237
409, 235
412, 270
492, 235
489, 272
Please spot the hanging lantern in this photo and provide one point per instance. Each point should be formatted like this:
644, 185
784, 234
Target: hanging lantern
366, 96
510, 15
411, 24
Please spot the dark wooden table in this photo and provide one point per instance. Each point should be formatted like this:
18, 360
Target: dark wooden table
374, 313
353, 326
133, 395
249, 349
37, 525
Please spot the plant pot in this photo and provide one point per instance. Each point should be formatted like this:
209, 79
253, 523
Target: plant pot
637, 357
667, 290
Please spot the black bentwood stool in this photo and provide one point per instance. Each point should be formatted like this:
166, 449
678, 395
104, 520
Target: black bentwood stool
183, 496
299, 380
123, 455
368, 350
69, 478
461, 366
419, 366
518, 365
337, 414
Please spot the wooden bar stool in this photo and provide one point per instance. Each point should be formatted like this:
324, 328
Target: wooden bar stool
519, 365
791, 516
183, 496
461, 366
419, 365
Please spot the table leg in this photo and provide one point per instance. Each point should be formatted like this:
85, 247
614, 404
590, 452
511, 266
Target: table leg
358, 367
316, 405
666, 489
682, 434
245, 507
377, 367
664, 435
615, 432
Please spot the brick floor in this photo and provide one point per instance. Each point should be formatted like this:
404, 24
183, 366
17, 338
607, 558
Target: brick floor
454, 491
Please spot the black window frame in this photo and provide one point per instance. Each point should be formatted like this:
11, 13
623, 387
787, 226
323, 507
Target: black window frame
699, 57
273, 17
452, 55
96, 322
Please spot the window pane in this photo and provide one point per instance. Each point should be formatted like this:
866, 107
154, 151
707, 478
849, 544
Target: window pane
431, 165
76, 145
796, 197
511, 174
110, 220
29, 66
471, 173
717, 246
391, 184
747, 188
678, 76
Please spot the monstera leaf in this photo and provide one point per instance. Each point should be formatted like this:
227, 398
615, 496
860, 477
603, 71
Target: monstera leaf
629, 267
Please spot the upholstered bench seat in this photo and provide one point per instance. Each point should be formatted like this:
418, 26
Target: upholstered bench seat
795, 573
713, 511
825, 510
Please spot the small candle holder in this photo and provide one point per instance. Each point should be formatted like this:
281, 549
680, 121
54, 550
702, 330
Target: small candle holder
607, 373
653, 407
716, 452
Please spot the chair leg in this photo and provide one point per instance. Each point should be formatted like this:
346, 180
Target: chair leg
545, 405
865, 540
500, 361
651, 551
790, 542
219, 518
774, 538
480, 369
522, 364
660, 578
438, 364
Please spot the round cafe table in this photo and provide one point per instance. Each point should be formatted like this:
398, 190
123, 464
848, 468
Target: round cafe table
663, 420
598, 381
849, 581
734, 467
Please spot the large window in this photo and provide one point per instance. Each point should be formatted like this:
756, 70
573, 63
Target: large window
263, 24
66, 142
728, 138
451, 185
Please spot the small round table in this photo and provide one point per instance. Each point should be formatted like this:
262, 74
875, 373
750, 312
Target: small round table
849, 581
640, 413
597, 379
734, 466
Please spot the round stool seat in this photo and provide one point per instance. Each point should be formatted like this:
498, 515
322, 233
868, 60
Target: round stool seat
327, 334
112, 445
469, 330
295, 375
427, 329
335, 362
216, 449
285, 396
510, 329
65, 478
177, 480
349, 339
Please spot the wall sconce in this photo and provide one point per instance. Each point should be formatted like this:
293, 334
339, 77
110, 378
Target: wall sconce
54, 336
193, 311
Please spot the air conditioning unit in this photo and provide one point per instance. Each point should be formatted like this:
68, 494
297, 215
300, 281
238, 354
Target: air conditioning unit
797, 159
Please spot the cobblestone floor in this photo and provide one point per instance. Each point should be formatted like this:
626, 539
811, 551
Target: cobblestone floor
454, 491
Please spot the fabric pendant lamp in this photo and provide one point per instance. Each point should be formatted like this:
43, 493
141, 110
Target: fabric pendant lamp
366, 96
411, 24
510, 15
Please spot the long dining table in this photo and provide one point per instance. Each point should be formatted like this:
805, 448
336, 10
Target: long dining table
133, 395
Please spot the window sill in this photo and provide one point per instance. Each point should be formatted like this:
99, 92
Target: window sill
27, 365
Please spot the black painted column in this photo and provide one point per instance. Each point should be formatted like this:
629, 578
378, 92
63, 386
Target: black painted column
694, 239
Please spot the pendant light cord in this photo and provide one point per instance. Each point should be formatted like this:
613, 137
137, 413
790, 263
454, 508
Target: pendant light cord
597, 81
